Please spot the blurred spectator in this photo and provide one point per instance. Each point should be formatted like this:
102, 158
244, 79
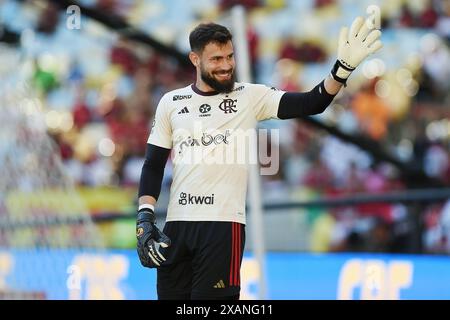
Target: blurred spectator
406, 17
354, 180
253, 43
48, 18
81, 115
107, 5
318, 4
122, 55
44, 80
318, 176
310, 52
436, 65
436, 237
65, 149
380, 237
429, 16
424, 19
436, 161
248, 4
289, 49
420, 146
371, 111
305, 52
443, 23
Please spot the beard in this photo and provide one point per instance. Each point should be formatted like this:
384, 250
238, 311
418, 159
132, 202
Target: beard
225, 86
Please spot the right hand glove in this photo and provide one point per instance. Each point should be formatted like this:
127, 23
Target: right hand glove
354, 47
149, 237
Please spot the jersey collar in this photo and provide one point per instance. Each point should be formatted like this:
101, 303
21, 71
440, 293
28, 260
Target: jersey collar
202, 93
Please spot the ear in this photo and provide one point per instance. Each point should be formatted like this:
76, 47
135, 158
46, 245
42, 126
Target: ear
195, 59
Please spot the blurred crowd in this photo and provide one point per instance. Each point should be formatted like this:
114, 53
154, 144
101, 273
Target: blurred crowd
106, 87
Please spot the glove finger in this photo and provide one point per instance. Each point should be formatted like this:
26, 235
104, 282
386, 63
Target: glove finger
154, 260
163, 240
372, 37
343, 36
158, 254
153, 249
144, 257
355, 27
375, 46
364, 31
152, 253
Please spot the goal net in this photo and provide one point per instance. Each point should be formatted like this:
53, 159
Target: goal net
43, 221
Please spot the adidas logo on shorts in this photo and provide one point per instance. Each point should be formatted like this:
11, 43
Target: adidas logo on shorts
220, 285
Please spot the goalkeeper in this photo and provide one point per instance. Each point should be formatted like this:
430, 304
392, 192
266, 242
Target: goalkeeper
199, 252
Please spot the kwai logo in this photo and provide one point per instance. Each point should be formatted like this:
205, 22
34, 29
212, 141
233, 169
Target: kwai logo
187, 198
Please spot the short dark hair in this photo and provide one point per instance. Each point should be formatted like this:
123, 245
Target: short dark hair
205, 33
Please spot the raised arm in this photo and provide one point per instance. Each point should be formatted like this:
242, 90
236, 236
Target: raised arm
353, 47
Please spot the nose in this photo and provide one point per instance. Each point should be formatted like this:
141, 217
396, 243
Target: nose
225, 67
227, 64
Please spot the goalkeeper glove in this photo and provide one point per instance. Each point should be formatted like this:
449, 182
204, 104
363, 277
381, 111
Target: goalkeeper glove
354, 47
148, 237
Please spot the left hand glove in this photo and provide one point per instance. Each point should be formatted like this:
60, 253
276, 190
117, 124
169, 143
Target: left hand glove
148, 238
354, 47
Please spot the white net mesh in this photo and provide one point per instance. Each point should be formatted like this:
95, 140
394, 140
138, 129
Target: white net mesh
40, 210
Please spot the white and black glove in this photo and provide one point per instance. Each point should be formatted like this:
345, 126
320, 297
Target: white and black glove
149, 238
354, 47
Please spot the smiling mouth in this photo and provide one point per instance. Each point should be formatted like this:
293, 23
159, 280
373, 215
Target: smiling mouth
226, 75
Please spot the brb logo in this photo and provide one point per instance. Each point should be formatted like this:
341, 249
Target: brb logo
187, 198
228, 106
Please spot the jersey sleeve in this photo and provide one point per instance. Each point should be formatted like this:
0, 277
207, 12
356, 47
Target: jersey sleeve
267, 101
161, 132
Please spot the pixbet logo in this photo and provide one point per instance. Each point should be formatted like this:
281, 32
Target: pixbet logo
187, 198
206, 140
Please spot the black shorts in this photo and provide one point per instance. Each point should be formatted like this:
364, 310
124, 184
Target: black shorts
203, 261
